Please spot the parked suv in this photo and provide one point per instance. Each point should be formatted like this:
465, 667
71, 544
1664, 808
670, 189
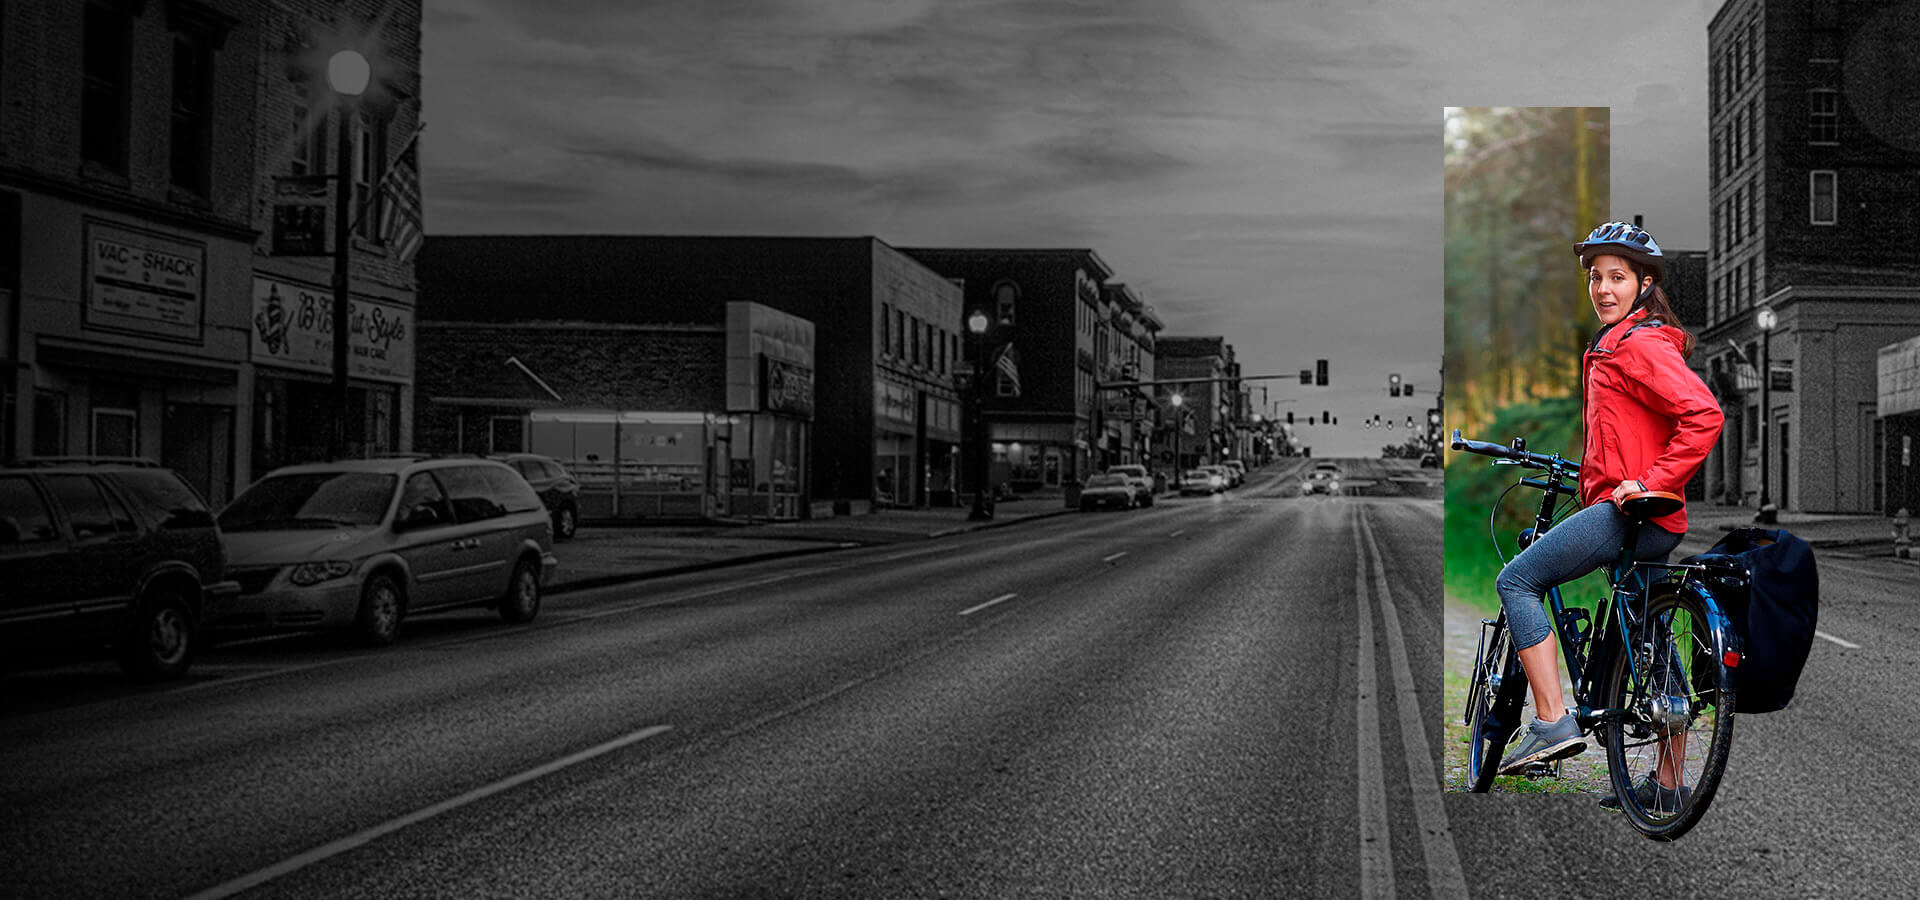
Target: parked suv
1137, 475
362, 544
556, 487
118, 552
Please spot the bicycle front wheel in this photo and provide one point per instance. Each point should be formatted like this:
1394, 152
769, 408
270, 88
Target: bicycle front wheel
1671, 725
1493, 703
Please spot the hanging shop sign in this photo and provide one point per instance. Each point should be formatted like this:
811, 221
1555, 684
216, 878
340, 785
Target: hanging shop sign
789, 387
300, 214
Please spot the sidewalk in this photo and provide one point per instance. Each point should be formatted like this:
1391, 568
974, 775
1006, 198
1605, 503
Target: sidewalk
604, 554
1851, 535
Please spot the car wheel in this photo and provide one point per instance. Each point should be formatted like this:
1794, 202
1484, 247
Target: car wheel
522, 600
163, 639
381, 606
566, 521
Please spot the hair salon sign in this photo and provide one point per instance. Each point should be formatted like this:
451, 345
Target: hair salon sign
292, 328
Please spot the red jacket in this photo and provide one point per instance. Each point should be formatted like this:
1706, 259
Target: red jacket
1648, 417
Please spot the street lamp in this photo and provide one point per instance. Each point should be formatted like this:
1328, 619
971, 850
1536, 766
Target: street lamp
977, 326
1177, 402
1766, 319
348, 74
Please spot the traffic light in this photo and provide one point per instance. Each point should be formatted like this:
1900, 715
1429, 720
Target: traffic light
1320, 367
1306, 377
1409, 423
1289, 417
1325, 417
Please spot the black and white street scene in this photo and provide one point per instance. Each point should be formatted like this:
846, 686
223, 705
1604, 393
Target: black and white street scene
879, 449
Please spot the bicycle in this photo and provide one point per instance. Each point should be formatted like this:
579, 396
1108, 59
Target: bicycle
1652, 667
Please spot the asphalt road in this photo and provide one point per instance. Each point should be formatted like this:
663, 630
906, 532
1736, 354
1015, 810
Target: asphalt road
1222, 696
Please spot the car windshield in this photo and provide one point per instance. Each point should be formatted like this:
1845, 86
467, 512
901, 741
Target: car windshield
1106, 481
1196, 473
310, 500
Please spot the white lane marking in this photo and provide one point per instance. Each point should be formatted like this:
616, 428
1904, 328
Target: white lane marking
1376, 851
677, 598
1109, 559
1847, 644
1000, 599
1178, 533
358, 838
1444, 878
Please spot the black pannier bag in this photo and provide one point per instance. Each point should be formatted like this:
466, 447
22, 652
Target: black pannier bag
1766, 582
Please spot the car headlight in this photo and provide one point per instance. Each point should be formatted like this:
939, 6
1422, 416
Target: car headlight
312, 573
1334, 486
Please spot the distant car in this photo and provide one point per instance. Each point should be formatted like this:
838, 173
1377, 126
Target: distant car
362, 544
1109, 490
1142, 480
99, 552
1225, 475
1239, 470
1429, 461
1322, 481
558, 490
1202, 481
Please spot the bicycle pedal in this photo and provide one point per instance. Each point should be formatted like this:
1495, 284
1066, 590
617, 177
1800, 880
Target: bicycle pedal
1539, 770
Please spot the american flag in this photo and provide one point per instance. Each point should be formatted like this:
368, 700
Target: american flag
402, 224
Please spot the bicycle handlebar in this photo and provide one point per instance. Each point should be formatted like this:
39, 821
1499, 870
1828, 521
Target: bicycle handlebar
1516, 453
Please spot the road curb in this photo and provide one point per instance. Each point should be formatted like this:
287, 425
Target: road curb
600, 581
944, 532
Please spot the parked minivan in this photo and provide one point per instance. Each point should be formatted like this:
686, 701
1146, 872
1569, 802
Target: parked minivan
107, 551
362, 544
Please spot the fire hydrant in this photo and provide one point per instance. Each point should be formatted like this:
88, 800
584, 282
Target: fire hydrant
1902, 544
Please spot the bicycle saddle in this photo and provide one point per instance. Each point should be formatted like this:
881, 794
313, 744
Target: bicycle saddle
1651, 504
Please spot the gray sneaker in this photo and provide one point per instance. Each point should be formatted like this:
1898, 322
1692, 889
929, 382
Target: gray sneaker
1653, 797
1544, 742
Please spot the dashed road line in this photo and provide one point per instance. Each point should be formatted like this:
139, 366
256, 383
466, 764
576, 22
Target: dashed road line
1376, 849
1000, 599
1847, 644
1178, 533
1108, 559
327, 851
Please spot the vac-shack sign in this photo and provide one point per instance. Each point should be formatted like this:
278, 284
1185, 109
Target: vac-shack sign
293, 328
144, 283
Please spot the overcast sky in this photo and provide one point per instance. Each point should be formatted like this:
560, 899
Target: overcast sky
1265, 171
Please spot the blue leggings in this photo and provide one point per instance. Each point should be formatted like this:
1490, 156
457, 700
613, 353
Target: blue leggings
1585, 541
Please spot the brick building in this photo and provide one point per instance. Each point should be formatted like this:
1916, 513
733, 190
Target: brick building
885, 425
1045, 304
1210, 409
653, 420
1814, 198
137, 153
1125, 351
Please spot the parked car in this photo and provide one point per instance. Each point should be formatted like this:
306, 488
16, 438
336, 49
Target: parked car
362, 544
1142, 480
1108, 490
108, 552
1239, 470
558, 490
1201, 481
1226, 477
1429, 461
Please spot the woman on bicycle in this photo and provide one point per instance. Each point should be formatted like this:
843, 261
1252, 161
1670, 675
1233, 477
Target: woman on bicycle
1649, 423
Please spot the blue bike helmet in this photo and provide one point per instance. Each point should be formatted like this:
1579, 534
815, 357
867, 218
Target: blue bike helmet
1621, 239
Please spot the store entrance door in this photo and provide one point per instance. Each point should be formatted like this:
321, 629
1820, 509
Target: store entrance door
197, 441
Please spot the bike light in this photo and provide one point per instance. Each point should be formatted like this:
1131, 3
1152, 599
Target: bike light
1732, 659
312, 573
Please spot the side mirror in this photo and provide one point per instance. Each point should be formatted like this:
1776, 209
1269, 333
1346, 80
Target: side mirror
420, 516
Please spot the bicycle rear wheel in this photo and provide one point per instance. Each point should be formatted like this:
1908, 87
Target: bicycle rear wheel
1674, 723
1493, 703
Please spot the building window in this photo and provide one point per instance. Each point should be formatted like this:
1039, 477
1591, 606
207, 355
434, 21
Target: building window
1006, 296
1753, 205
899, 334
192, 124
1823, 116
886, 329
105, 88
369, 168
309, 136
1753, 45
1823, 190
49, 422
1753, 126
1713, 160
1753, 279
